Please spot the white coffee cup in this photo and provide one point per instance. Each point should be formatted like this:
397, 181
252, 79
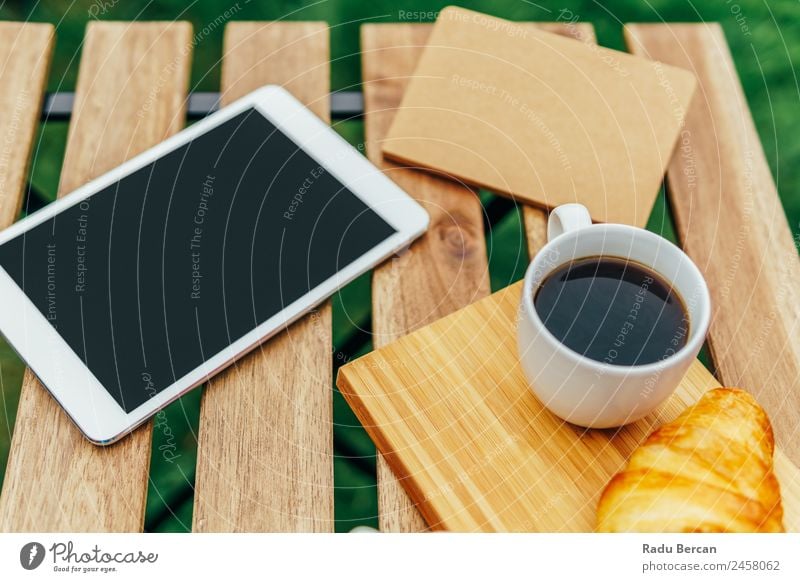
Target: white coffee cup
588, 392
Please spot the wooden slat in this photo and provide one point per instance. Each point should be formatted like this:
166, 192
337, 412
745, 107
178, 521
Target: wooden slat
25, 52
443, 271
536, 230
535, 219
265, 448
130, 95
730, 221
446, 269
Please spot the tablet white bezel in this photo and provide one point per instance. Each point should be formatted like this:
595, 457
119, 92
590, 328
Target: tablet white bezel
72, 384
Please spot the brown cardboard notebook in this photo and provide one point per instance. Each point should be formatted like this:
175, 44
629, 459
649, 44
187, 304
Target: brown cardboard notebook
540, 117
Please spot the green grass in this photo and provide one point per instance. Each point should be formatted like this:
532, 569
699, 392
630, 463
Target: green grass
766, 54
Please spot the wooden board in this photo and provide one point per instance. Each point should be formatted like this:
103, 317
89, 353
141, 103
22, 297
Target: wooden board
444, 270
265, 447
450, 408
543, 119
25, 52
56, 480
730, 221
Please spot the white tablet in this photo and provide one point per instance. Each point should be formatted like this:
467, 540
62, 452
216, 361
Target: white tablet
145, 282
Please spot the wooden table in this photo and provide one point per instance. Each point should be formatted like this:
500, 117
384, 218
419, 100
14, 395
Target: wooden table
265, 452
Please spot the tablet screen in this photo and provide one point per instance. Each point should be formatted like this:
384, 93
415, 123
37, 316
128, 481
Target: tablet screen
157, 273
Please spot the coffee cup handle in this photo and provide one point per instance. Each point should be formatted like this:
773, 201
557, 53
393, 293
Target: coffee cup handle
565, 218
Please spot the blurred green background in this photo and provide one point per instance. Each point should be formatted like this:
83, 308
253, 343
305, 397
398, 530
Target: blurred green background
765, 41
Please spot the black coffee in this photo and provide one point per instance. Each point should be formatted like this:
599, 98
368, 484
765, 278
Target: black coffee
613, 310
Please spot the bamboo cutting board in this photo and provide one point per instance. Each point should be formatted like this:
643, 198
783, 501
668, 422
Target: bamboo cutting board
449, 408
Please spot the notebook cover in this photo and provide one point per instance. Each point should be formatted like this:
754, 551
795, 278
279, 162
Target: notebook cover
540, 117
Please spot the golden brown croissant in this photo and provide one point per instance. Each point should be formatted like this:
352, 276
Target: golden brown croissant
710, 470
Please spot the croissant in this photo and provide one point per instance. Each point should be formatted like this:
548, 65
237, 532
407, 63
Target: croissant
710, 470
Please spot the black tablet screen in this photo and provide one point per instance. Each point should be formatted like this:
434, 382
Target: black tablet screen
155, 274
